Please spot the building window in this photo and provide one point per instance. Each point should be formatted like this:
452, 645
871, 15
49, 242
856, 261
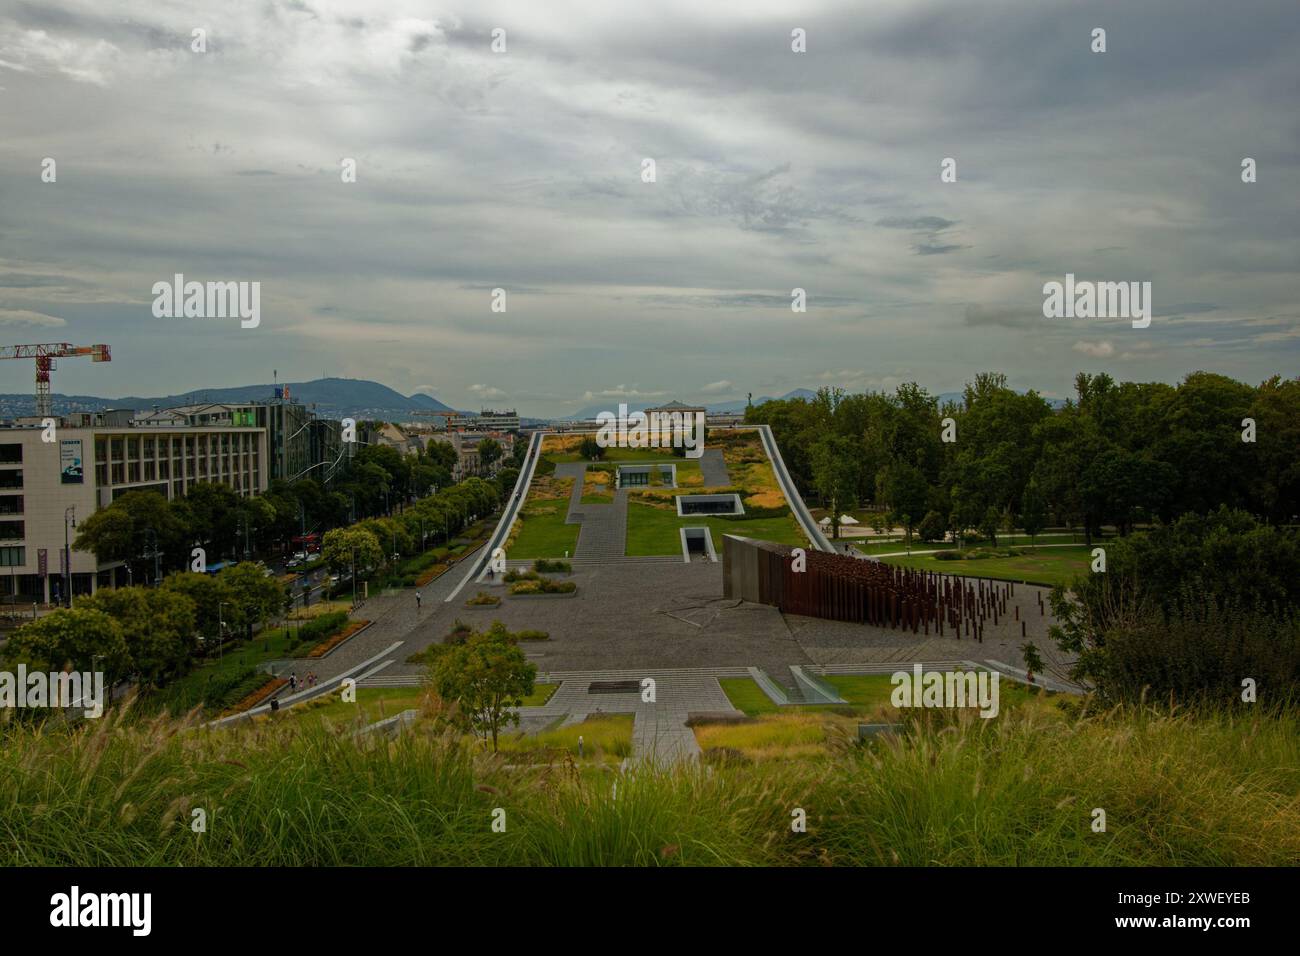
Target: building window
11, 479
11, 505
11, 454
13, 557
11, 530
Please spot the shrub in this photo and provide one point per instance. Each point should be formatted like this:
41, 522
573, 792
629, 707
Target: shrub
529, 635
483, 599
546, 564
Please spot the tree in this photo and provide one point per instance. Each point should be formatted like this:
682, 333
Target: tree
124, 530
906, 492
254, 595
158, 627
989, 524
489, 450
933, 527
79, 639
1033, 511
486, 676
345, 548
590, 449
835, 477
1033, 659
206, 592
1188, 609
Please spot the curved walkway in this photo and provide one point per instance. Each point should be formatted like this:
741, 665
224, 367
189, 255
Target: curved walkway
801, 512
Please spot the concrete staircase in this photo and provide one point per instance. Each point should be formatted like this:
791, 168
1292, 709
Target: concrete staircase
604, 530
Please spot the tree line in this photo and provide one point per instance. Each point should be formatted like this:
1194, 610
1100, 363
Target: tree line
1116, 453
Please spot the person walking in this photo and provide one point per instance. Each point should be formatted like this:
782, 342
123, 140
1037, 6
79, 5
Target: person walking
417, 600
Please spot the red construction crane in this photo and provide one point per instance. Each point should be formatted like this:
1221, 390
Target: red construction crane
45, 355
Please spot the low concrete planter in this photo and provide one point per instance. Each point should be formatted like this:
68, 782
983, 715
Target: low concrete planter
525, 597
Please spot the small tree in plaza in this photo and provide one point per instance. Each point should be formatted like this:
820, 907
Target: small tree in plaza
486, 676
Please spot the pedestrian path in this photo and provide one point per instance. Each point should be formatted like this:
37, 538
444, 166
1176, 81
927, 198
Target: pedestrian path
714, 469
603, 534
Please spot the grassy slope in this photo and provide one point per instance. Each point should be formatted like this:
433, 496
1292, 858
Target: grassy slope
1020, 790
1047, 566
652, 530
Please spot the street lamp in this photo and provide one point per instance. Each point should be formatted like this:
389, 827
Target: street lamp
221, 631
152, 536
69, 520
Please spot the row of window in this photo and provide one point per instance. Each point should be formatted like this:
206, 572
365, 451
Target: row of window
144, 447
162, 470
13, 557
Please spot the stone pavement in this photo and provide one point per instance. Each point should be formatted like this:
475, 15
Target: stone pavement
659, 733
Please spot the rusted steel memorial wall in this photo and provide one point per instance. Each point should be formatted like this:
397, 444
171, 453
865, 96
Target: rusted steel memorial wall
841, 588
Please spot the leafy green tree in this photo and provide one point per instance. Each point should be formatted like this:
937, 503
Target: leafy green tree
158, 626
933, 527
344, 548
486, 676
81, 639
906, 492
1188, 608
590, 450
988, 526
212, 513
835, 477
253, 595
1033, 511
489, 451
125, 529
206, 592
1033, 659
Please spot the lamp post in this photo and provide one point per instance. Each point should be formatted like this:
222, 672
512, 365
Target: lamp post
221, 631
354, 577
152, 536
69, 520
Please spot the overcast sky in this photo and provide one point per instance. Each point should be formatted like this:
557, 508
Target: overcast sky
522, 170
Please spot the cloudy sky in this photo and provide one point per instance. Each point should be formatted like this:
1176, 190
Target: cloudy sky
774, 170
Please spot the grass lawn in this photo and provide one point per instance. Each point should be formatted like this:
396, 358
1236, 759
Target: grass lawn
745, 695
772, 736
372, 704
872, 691
540, 695
543, 533
652, 530
605, 738
1046, 566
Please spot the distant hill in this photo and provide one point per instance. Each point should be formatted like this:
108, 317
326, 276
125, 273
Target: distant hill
333, 398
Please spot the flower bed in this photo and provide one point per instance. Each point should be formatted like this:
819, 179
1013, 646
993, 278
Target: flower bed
324, 647
257, 696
